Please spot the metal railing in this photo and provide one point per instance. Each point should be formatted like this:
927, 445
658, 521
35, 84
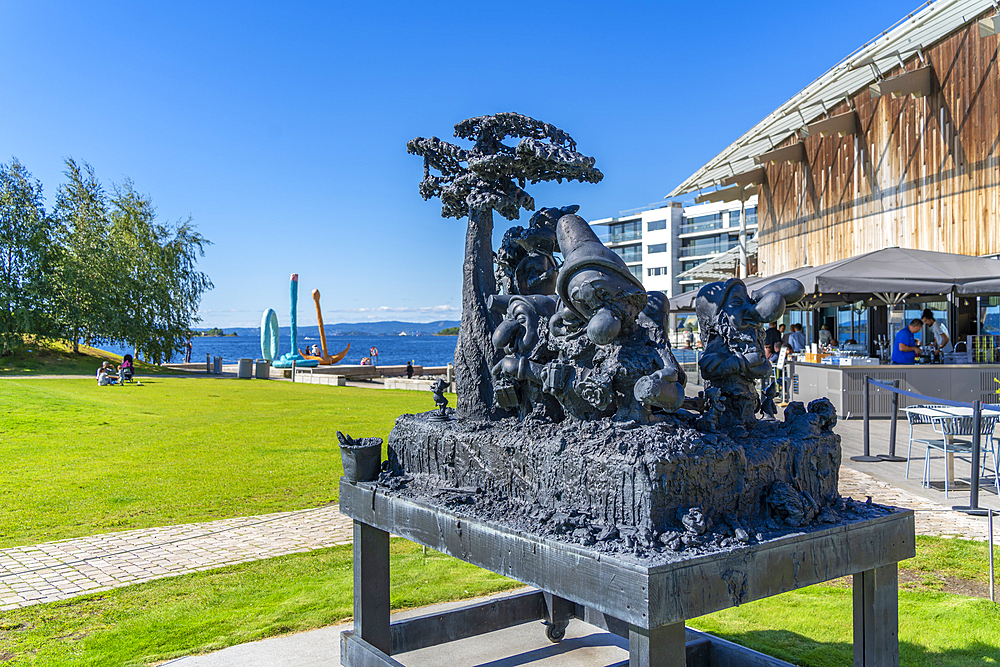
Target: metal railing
700, 226
715, 249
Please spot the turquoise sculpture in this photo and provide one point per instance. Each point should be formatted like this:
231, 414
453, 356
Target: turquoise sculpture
286, 360
269, 335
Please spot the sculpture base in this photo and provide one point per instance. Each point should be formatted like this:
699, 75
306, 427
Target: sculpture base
644, 599
653, 486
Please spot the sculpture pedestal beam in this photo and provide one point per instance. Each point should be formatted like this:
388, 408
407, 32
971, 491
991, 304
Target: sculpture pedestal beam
644, 599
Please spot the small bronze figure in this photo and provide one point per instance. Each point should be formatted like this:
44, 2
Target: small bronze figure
439, 399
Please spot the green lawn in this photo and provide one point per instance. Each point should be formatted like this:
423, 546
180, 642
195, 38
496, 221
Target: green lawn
89, 459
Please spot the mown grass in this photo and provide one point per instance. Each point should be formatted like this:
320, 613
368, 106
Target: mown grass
78, 459
56, 357
813, 627
206, 611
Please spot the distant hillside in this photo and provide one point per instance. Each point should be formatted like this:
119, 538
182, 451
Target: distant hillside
358, 328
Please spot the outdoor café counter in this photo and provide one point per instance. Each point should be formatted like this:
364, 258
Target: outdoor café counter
844, 385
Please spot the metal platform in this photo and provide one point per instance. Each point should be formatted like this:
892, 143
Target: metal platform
647, 604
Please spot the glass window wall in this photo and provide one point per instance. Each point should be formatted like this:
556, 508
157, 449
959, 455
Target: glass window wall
654, 225
701, 223
630, 253
625, 231
657, 247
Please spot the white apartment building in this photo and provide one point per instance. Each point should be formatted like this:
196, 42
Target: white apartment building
660, 243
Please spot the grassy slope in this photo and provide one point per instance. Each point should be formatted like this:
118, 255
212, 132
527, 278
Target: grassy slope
53, 357
91, 459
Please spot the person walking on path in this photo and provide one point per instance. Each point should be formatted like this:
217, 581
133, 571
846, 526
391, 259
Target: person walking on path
409, 370
188, 345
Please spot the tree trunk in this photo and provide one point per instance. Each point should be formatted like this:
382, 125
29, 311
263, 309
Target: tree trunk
475, 355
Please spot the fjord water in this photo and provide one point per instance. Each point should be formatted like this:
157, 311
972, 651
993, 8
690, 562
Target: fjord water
392, 350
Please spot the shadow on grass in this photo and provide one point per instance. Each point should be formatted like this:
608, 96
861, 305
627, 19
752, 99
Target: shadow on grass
800, 650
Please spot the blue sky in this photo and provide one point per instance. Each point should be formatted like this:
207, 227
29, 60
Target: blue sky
281, 128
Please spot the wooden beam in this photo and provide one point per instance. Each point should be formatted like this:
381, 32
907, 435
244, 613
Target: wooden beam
916, 84
842, 124
752, 177
790, 154
468, 621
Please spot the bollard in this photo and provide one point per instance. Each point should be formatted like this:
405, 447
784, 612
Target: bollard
866, 457
208, 363
891, 456
293, 370
977, 426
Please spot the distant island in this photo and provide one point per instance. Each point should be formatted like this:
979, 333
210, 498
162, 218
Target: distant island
450, 331
213, 333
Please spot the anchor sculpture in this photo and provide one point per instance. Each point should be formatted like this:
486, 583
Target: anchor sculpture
326, 359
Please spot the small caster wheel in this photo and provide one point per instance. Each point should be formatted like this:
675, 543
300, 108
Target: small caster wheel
555, 632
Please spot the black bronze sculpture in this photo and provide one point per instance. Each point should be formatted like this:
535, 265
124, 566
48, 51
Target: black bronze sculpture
730, 321
440, 400
473, 183
573, 466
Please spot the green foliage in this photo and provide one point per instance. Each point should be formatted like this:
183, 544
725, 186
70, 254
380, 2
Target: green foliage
25, 257
46, 356
450, 331
101, 268
208, 611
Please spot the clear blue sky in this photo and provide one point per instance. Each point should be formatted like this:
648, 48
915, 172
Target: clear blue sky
282, 127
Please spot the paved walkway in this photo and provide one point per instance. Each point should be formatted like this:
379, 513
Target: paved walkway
67, 568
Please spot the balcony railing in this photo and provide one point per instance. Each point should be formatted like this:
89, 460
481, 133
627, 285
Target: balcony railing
621, 237
691, 251
701, 226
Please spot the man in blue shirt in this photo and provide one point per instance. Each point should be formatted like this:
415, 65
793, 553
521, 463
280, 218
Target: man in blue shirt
905, 346
798, 338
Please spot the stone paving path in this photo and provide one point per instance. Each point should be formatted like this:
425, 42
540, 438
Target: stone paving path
930, 518
67, 568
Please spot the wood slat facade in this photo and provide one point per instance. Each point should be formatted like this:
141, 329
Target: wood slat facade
919, 173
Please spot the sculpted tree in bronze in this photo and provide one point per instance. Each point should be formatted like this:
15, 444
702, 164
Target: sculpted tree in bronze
473, 183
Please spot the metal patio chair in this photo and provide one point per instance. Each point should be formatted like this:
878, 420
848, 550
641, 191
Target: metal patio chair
915, 419
950, 427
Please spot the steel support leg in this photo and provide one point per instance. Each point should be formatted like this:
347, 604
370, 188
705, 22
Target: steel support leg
371, 586
876, 618
659, 647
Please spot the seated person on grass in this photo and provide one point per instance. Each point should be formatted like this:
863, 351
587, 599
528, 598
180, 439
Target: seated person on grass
105, 374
